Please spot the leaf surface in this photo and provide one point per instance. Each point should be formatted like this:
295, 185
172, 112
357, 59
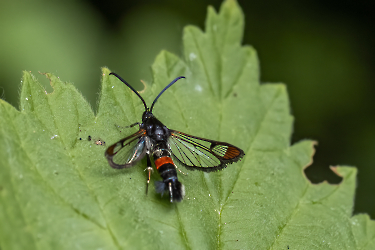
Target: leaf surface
58, 192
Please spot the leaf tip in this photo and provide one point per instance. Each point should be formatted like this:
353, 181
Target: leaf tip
105, 71
25, 92
27, 76
344, 171
231, 8
230, 4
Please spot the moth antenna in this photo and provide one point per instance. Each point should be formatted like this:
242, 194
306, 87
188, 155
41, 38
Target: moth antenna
175, 80
135, 91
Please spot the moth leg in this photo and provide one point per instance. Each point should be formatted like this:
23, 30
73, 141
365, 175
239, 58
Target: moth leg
179, 170
132, 125
170, 191
150, 170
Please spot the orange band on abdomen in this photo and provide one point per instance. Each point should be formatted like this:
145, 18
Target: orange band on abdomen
163, 160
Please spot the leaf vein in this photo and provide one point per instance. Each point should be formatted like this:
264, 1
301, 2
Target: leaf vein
23, 213
61, 198
368, 242
182, 230
204, 65
236, 79
252, 142
294, 211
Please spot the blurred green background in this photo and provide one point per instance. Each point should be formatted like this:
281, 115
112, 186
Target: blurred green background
322, 50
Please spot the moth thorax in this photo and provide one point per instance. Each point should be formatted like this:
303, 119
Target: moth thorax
159, 152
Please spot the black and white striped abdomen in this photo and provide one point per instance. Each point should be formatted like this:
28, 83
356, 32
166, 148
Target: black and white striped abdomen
167, 170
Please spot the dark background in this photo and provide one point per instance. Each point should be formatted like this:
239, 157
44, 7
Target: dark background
322, 50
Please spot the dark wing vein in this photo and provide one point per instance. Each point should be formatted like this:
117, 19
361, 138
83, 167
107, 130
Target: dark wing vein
207, 159
203, 154
126, 152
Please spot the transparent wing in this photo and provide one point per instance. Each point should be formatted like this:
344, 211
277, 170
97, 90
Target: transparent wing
203, 154
126, 152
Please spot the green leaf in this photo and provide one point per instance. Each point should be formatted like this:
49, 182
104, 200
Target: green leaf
57, 190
